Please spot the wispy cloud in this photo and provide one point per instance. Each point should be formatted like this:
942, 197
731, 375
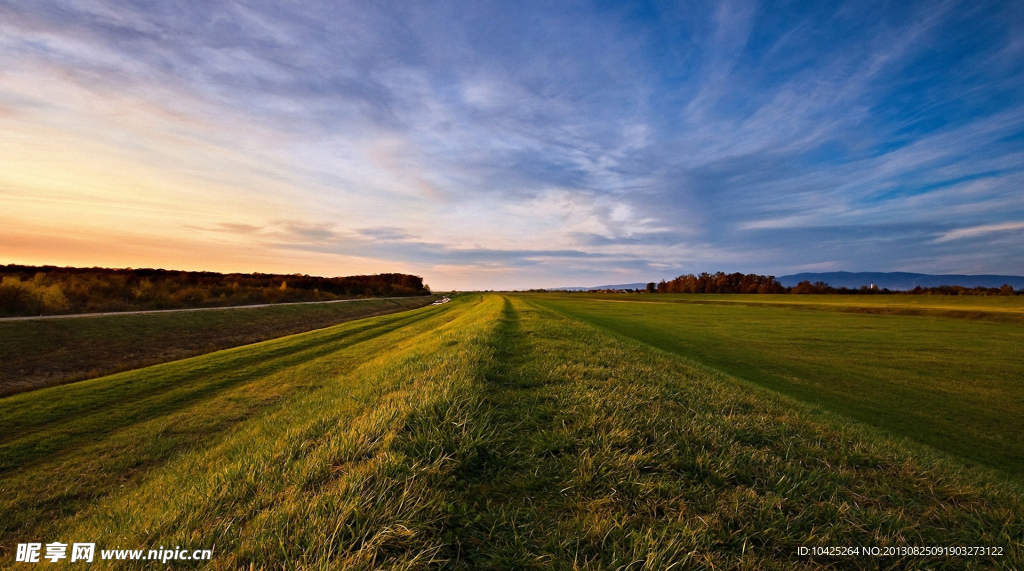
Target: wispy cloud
982, 230
539, 143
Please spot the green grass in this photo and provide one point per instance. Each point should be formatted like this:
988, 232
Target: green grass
49, 352
990, 308
1013, 304
102, 433
489, 433
953, 383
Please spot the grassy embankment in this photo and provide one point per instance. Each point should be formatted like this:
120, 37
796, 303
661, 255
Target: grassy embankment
945, 371
487, 433
49, 352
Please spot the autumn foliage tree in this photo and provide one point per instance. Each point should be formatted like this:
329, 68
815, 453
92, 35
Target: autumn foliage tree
40, 290
721, 282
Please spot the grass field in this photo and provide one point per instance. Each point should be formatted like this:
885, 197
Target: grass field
943, 375
50, 352
967, 303
491, 433
987, 308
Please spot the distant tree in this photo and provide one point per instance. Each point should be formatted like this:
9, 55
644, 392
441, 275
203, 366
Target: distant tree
721, 282
806, 287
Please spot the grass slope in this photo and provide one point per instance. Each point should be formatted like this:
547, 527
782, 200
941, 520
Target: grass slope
35, 354
104, 433
955, 384
489, 433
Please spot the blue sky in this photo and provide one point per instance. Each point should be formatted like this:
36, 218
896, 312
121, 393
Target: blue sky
511, 145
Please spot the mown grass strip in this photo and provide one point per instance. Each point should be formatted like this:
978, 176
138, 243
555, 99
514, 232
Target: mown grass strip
71, 458
350, 474
95, 407
615, 456
36, 354
607, 454
1006, 309
949, 383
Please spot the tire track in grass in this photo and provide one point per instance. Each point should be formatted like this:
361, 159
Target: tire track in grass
506, 488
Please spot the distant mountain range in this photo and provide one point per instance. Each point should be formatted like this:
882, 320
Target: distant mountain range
896, 281
900, 280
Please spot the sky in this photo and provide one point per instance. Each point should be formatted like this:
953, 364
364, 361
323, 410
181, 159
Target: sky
501, 145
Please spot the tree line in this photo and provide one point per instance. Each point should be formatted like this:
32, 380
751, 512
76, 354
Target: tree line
822, 287
45, 290
721, 282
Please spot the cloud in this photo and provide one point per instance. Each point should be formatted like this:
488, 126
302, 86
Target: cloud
390, 243
982, 230
239, 228
386, 233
